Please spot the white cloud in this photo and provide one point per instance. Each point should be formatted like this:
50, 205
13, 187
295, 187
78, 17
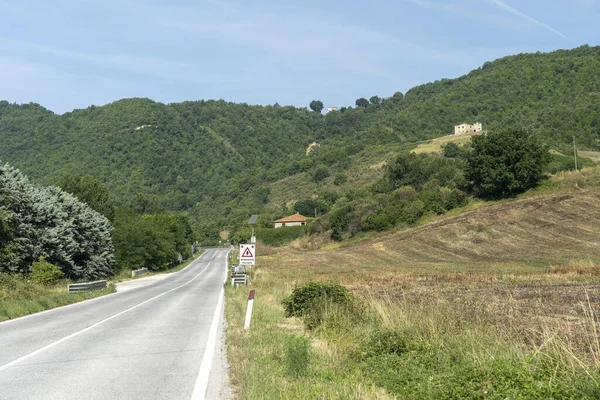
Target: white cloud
502, 5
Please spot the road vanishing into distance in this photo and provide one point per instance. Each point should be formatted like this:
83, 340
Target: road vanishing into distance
152, 342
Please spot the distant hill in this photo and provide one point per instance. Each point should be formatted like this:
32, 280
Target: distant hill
223, 161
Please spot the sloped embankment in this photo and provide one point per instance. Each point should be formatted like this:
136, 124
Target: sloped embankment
553, 228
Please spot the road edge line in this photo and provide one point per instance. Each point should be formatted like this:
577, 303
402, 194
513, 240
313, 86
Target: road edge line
201, 385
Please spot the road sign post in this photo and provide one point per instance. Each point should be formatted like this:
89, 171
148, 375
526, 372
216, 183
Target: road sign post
247, 254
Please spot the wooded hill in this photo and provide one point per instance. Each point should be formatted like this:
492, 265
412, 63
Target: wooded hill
218, 159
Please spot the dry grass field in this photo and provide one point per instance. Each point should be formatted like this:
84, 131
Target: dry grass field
435, 145
516, 283
531, 262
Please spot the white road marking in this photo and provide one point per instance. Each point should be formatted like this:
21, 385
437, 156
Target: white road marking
202, 379
49, 346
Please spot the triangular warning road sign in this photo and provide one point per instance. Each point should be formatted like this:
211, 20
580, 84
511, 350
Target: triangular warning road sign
247, 253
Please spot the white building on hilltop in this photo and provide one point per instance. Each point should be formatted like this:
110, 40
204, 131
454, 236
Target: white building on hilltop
330, 109
466, 128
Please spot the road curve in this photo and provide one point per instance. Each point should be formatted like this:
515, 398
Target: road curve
147, 343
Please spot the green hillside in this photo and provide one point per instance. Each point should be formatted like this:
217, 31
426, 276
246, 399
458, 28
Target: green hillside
223, 161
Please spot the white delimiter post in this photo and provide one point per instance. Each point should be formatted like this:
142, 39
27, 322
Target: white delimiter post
249, 309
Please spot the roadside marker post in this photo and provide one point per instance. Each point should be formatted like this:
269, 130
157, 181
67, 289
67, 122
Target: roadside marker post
249, 310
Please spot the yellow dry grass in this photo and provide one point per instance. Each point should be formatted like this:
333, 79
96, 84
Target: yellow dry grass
435, 145
591, 155
526, 264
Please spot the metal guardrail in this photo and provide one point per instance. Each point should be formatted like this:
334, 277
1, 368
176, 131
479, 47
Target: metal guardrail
138, 272
239, 279
86, 286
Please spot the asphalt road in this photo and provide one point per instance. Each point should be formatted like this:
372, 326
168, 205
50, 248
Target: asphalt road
153, 342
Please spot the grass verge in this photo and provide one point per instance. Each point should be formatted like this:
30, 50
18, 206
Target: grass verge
20, 296
432, 330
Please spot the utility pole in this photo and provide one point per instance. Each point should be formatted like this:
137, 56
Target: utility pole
575, 153
575, 156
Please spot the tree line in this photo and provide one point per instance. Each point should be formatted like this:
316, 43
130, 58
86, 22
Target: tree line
216, 160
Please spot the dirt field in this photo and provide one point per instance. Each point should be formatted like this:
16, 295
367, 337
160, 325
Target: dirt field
530, 266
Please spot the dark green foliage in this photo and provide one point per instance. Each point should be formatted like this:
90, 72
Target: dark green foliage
51, 223
413, 185
316, 106
297, 355
89, 190
279, 236
506, 163
320, 173
452, 150
339, 221
410, 169
362, 102
45, 273
151, 240
269, 236
7, 246
374, 100
304, 299
310, 207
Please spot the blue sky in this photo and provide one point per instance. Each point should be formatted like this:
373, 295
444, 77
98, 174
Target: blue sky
71, 54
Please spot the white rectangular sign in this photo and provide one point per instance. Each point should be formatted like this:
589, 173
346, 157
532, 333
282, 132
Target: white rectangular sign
247, 254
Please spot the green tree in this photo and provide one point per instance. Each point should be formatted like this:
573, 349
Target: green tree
397, 97
7, 246
309, 207
340, 219
54, 224
375, 99
505, 163
316, 106
451, 150
89, 190
362, 102
320, 173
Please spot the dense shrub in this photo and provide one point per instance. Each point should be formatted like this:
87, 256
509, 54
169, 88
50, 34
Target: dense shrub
320, 173
45, 273
305, 301
310, 207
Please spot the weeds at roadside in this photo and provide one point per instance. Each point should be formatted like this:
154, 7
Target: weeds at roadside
297, 355
20, 296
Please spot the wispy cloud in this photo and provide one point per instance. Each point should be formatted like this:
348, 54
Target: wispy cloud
129, 63
462, 9
502, 5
